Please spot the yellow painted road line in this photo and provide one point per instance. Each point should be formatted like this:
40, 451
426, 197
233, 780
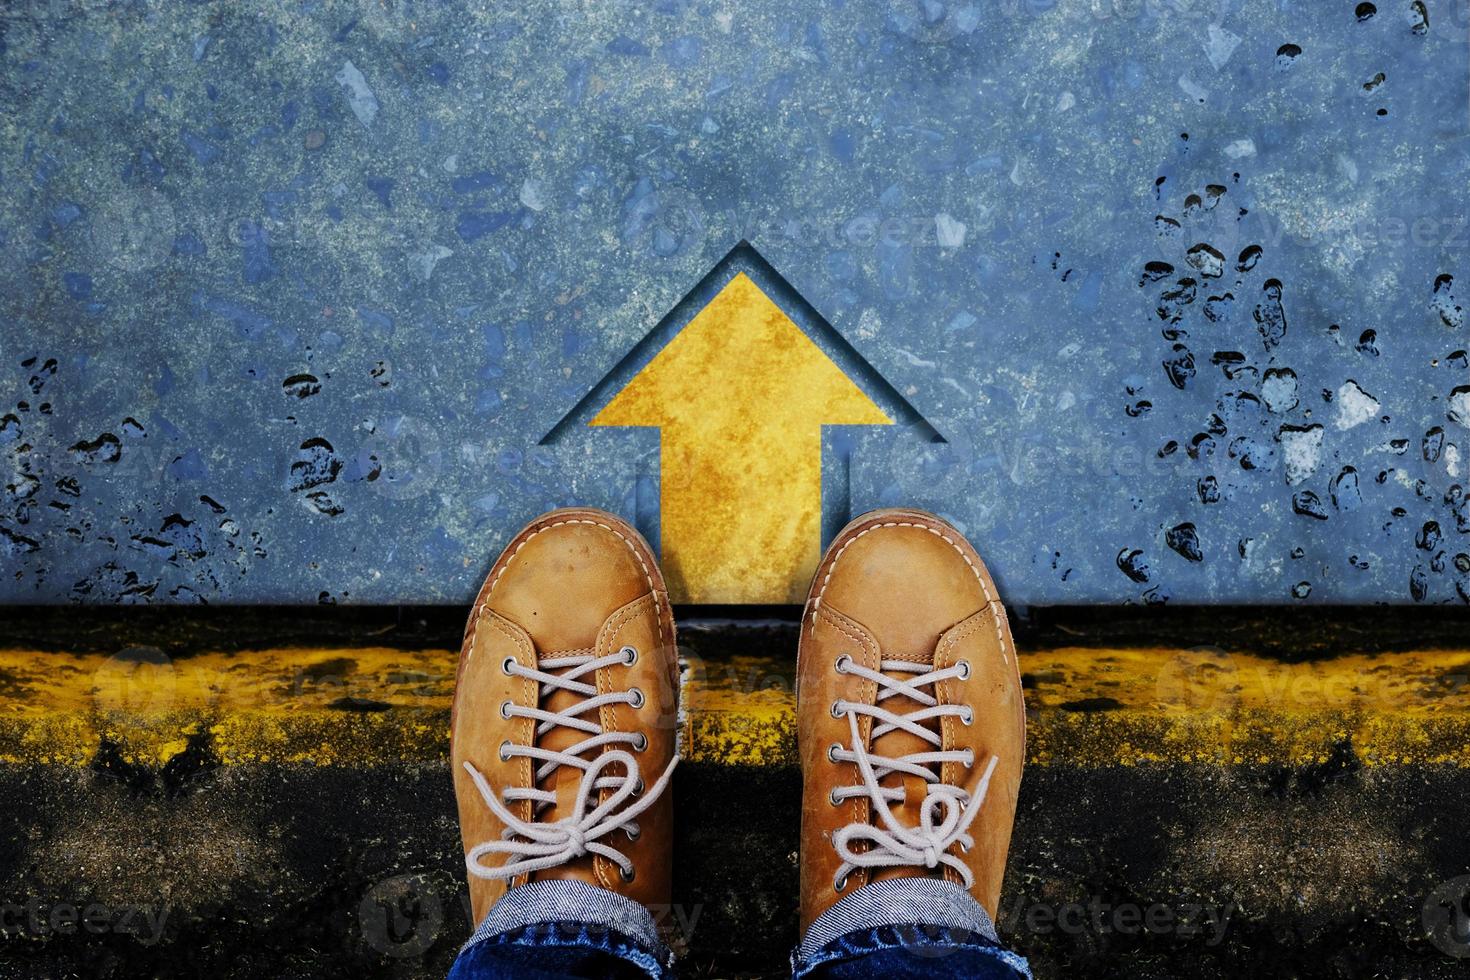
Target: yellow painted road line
1086, 707
740, 396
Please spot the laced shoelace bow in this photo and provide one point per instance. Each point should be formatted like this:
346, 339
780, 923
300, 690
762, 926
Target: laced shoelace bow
534, 846
947, 810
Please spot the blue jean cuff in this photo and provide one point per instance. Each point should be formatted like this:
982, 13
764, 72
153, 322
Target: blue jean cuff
899, 902
929, 943
933, 912
578, 908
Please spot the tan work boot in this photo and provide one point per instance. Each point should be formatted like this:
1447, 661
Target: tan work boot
910, 718
563, 732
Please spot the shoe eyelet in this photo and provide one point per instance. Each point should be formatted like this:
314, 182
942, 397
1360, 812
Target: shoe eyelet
505, 664
838, 709
839, 883
843, 662
503, 746
505, 707
832, 798
638, 787
637, 695
964, 666
968, 718
832, 752
640, 742
627, 874
630, 656
970, 762
632, 832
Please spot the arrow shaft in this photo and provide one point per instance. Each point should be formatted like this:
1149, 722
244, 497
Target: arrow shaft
741, 514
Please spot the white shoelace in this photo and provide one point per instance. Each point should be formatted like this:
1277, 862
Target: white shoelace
947, 811
536, 846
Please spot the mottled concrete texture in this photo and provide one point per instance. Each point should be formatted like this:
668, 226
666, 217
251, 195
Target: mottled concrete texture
292, 292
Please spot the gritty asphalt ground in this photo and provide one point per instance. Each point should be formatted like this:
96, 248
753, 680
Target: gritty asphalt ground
187, 797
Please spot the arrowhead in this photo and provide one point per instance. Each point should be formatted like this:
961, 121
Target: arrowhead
741, 365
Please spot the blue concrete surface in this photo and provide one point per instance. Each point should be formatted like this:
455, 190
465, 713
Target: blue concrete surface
293, 292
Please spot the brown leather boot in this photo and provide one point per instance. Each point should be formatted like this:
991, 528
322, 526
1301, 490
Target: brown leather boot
565, 710
910, 718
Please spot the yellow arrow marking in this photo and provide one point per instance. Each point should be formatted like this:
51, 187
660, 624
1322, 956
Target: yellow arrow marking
740, 396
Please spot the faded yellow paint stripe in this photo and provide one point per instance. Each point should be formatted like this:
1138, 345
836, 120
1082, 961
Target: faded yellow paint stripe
1129, 706
1086, 706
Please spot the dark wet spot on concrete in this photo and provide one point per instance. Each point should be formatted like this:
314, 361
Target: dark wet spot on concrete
1217, 308
1286, 56
1092, 704
106, 448
1173, 300
1131, 562
362, 705
1433, 444
1429, 536
1207, 259
1442, 301
1346, 495
1418, 584
1270, 315
16, 544
1180, 368
332, 669
1419, 18
1252, 454
322, 502
1279, 390
1308, 504
316, 464
301, 385
1154, 271
1184, 540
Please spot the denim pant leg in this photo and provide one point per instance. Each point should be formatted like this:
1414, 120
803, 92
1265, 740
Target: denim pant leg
550, 930
906, 927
